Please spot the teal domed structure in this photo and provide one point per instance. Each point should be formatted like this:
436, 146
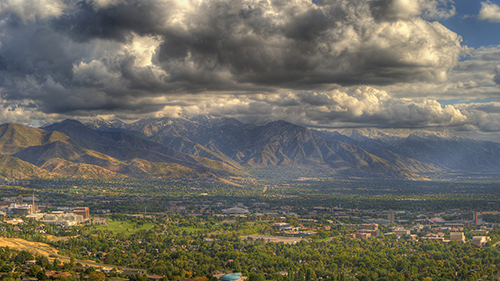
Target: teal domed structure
232, 277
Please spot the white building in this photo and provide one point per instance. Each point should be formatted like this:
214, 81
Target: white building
457, 236
480, 240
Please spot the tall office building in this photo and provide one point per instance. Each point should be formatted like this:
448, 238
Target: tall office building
391, 216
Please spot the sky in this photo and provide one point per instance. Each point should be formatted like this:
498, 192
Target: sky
398, 64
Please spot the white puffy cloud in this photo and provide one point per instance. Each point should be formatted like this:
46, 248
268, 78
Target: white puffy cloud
359, 106
489, 12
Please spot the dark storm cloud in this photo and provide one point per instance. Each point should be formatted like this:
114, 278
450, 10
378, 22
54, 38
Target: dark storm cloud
136, 56
497, 75
114, 22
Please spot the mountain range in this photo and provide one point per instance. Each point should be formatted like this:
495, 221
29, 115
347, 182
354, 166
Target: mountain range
216, 149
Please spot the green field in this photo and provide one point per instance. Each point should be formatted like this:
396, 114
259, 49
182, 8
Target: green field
124, 226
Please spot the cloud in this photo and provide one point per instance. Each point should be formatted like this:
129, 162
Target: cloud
394, 10
255, 60
475, 77
489, 12
32, 10
360, 106
482, 116
497, 75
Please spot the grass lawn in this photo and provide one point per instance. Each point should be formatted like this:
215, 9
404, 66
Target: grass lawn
124, 226
322, 240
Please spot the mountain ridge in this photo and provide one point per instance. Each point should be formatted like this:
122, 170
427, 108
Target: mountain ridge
277, 143
210, 148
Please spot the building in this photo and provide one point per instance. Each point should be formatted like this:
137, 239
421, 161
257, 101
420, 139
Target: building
232, 277
297, 233
371, 226
19, 209
14, 221
281, 225
82, 211
371, 232
401, 232
480, 231
480, 240
457, 236
60, 218
363, 235
35, 216
359, 235
391, 216
235, 211
432, 236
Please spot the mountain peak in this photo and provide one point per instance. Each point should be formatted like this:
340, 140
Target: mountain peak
72, 122
68, 123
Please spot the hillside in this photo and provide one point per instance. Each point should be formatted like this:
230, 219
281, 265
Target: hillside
31, 153
15, 137
12, 168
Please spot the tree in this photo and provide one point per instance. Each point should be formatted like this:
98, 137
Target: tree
7, 268
34, 269
23, 256
97, 276
42, 261
41, 275
256, 277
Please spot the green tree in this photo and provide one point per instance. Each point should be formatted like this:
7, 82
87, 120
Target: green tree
34, 269
256, 277
7, 268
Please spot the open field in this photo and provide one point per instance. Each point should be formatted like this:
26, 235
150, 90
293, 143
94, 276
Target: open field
35, 248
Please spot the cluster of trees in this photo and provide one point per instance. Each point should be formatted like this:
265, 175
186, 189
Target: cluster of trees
14, 266
181, 246
178, 253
